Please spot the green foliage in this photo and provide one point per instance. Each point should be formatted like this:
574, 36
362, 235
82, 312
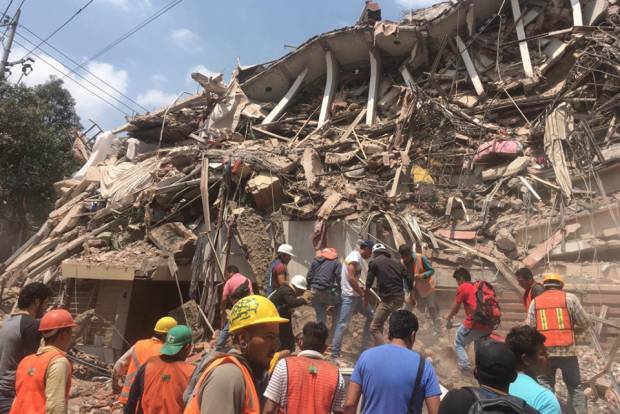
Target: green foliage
37, 126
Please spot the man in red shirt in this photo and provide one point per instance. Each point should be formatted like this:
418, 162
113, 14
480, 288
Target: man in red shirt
468, 331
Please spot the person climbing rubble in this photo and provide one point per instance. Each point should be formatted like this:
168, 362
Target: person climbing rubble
391, 278
353, 297
237, 286
306, 383
324, 281
232, 382
286, 298
127, 366
277, 272
558, 315
531, 287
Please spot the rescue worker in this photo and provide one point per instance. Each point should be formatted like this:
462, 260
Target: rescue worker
532, 288
324, 280
160, 381
237, 286
231, 383
286, 298
277, 272
126, 368
557, 315
306, 383
43, 379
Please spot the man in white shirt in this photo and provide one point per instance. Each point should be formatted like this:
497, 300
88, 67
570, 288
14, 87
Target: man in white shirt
353, 296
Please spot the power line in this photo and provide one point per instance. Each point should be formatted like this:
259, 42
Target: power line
5, 11
157, 14
85, 69
78, 83
59, 28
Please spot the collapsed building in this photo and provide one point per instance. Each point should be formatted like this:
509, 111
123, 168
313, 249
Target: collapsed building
484, 130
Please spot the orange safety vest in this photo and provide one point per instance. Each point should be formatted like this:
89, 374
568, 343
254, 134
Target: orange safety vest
527, 297
310, 377
30, 383
553, 319
424, 287
164, 384
251, 403
141, 352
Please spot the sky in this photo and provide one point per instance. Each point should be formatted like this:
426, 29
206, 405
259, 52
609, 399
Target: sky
152, 67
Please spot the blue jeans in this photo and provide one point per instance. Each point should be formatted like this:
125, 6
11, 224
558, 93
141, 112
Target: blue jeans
5, 404
321, 300
221, 340
572, 378
464, 337
351, 305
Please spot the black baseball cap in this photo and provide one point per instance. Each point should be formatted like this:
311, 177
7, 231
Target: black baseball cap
496, 364
366, 243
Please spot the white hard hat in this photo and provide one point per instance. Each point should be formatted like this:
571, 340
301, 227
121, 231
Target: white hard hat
286, 249
377, 247
299, 281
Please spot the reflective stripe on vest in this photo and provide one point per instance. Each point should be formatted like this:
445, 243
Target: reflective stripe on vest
30, 383
251, 404
553, 319
164, 384
141, 352
310, 377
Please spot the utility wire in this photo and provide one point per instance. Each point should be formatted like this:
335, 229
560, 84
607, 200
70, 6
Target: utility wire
99, 88
5, 11
85, 69
157, 14
78, 83
58, 29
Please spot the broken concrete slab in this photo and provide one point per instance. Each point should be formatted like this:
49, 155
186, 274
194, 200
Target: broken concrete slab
174, 238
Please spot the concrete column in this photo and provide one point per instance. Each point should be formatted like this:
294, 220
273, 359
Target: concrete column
331, 84
290, 94
525, 52
373, 86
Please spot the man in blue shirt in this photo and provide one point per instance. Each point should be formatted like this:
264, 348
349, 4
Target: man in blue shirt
389, 376
528, 345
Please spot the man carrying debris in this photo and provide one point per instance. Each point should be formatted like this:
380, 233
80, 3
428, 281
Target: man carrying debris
558, 315
286, 298
532, 288
237, 286
160, 381
306, 383
20, 337
391, 278
353, 296
231, 383
528, 345
324, 281
496, 369
126, 368
277, 272
419, 268
391, 377
43, 380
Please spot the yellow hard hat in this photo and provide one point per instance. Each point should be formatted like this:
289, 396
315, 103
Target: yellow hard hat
553, 277
164, 324
253, 310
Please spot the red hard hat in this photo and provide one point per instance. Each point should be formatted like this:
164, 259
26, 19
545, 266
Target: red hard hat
56, 319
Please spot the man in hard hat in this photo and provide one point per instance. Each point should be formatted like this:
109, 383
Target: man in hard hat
277, 272
237, 286
531, 287
286, 298
126, 368
43, 379
324, 281
391, 279
231, 383
20, 336
558, 315
160, 381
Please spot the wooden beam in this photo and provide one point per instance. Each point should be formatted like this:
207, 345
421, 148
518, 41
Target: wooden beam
373, 86
204, 193
523, 48
286, 99
469, 64
577, 16
331, 84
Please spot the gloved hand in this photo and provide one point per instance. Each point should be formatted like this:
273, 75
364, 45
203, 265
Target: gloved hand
307, 296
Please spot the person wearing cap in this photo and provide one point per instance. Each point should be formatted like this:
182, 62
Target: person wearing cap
286, 298
43, 379
277, 272
528, 345
531, 288
324, 282
127, 366
20, 336
237, 286
496, 369
391, 279
558, 315
160, 381
231, 383
353, 296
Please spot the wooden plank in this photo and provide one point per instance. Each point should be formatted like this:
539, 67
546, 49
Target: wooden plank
469, 65
354, 124
540, 251
523, 48
204, 193
456, 234
331, 84
286, 99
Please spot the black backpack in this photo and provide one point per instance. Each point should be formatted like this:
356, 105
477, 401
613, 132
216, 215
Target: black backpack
500, 404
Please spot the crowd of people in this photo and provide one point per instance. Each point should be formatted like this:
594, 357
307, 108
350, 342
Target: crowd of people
260, 365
